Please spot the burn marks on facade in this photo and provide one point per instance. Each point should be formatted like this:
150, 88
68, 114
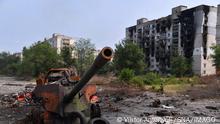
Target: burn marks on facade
183, 33
205, 31
163, 43
186, 20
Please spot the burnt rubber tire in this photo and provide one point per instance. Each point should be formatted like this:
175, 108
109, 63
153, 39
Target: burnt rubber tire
79, 115
95, 111
98, 121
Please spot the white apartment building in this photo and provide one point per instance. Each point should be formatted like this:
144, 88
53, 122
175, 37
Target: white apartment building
59, 41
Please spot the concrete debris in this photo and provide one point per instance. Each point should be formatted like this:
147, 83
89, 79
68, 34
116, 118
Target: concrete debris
118, 98
156, 103
16, 99
144, 114
211, 107
199, 114
167, 107
163, 113
166, 113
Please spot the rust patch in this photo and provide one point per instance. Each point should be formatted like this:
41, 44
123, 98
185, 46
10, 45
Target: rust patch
51, 101
89, 90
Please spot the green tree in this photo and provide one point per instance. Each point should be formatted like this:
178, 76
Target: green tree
39, 58
216, 55
85, 50
180, 66
108, 67
129, 55
66, 54
8, 63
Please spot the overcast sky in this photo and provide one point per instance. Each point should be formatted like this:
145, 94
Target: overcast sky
23, 22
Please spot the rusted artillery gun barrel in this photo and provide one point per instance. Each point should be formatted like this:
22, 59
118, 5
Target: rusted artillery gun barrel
104, 56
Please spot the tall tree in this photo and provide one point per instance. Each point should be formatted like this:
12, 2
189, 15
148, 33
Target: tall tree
39, 58
216, 55
4, 59
85, 50
67, 56
8, 63
129, 55
181, 66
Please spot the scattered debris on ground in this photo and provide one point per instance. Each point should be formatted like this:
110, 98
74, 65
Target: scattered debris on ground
134, 103
15, 99
120, 101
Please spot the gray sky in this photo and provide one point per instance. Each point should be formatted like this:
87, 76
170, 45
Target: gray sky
23, 22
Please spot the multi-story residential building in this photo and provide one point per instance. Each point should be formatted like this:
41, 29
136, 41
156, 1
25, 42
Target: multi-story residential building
59, 41
186, 32
218, 26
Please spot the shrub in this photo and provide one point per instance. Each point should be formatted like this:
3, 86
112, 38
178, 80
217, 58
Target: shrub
181, 66
126, 74
183, 80
138, 81
195, 80
158, 88
172, 80
152, 78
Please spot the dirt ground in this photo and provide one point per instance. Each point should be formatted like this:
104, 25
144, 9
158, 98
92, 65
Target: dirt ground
122, 104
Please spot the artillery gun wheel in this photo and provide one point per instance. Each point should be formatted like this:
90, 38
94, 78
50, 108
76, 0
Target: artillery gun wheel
75, 118
95, 111
98, 121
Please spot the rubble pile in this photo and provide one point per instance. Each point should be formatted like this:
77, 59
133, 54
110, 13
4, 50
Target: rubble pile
16, 99
8, 100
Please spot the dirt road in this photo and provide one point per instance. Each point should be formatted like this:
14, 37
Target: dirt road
126, 105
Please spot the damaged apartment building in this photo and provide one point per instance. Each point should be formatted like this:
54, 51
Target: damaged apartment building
186, 32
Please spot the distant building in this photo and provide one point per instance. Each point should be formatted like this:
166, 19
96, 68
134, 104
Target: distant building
59, 41
186, 32
19, 55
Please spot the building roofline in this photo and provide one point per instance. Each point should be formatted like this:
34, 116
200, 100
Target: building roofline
149, 21
202, 5
58, 34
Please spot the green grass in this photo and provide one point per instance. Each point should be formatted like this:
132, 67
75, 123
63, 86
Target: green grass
166, 84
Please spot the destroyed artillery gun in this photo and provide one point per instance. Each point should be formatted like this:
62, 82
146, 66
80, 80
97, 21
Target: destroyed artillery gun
56, 98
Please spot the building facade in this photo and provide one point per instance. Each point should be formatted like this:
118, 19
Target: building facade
218, 25
19, 55
59, 41
186, 32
